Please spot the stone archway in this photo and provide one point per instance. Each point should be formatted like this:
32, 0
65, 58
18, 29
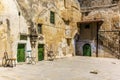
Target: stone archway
87, 50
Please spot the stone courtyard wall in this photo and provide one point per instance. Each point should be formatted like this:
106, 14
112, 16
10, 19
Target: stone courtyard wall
55, 35
11, 25
109, 12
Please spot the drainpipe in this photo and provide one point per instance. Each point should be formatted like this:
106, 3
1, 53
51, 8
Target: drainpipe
97, 41
119, 46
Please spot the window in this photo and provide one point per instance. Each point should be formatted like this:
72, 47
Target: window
114, 1
68, 41
1, 22
8, 23
87, 26
23, 37
52, 17
39, 28
86, 13
67, 22
64, 3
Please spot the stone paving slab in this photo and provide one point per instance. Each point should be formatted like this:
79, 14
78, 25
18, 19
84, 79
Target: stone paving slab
72, 68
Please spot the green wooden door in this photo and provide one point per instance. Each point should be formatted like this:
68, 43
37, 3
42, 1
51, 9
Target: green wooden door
86, 50
40, 52
21, 53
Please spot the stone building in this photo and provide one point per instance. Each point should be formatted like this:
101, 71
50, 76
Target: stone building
35, 27
108, 34
10, 27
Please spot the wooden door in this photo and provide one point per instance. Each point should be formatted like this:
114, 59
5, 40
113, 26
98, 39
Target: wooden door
40, 52
21, 53
86, 50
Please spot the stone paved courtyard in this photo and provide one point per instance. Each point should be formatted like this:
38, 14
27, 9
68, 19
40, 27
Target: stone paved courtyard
73, 68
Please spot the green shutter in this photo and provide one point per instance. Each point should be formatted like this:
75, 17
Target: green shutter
52, 17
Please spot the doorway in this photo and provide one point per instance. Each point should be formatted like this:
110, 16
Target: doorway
87, 50
21, 53
40, 52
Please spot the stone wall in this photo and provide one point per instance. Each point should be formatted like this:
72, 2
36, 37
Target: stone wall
94, 3
16, 17
108, 10
66, 16
11, 25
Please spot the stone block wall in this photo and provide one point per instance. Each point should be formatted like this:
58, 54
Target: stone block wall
67, 14
93, 3
10, 28
108, 10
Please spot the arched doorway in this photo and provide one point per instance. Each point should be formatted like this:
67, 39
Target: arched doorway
87, 50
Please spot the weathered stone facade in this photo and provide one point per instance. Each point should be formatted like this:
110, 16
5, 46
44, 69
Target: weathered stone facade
10, 26
17, 16
108, 10
20, 18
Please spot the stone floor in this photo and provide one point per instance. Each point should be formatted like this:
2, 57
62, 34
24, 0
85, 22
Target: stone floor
72, 68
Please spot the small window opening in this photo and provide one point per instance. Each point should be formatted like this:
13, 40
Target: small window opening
52, 17
87, 26
68, 41
23, 37
39, 28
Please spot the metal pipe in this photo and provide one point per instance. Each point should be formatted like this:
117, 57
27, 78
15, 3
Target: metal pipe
97, 41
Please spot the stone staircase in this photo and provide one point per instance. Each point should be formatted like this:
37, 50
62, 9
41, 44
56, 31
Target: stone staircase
110, 43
